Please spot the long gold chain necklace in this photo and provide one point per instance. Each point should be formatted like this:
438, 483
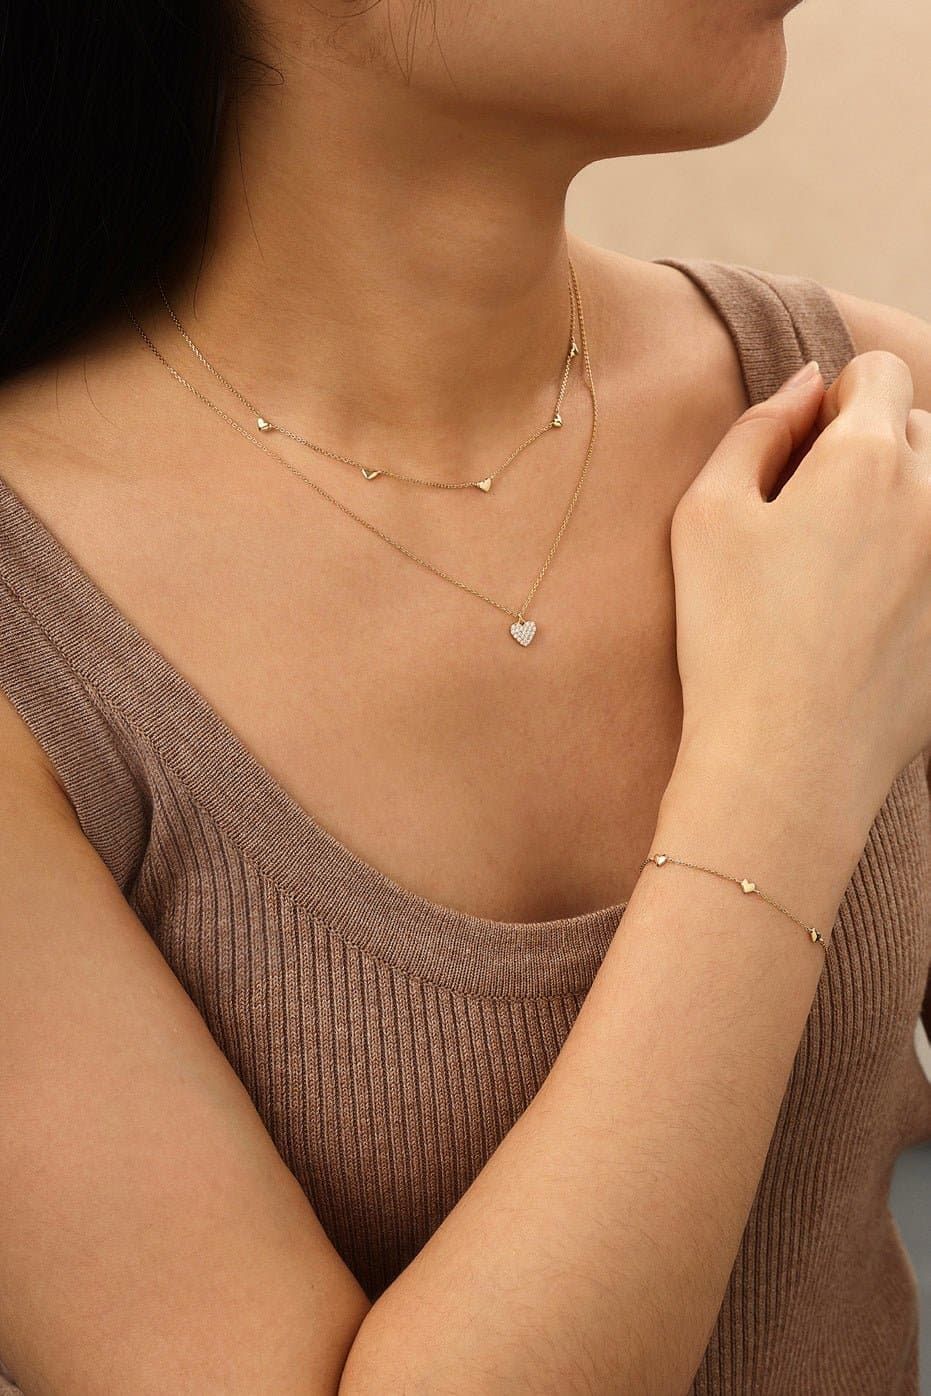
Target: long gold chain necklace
265, 424
523, 629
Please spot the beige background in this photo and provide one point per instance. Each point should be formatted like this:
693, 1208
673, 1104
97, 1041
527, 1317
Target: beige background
835, 184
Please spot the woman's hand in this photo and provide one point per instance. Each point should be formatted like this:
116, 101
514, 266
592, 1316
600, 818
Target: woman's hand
804, 617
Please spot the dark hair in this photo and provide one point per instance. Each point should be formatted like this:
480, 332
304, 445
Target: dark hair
109, 112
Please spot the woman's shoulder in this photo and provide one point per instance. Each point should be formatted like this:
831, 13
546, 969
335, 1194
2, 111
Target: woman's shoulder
62, 744
871, 324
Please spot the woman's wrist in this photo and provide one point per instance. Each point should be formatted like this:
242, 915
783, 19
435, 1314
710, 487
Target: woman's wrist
795, 781
797, 833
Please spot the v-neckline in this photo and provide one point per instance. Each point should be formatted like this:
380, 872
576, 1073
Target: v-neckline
455, 949
128, 674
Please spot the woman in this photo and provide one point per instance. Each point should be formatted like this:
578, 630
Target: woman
326, 1063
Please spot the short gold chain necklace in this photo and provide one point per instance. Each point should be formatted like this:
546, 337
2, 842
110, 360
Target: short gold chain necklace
522, 629
265, 424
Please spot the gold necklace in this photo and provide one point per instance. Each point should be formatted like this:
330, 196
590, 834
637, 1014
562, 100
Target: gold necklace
265, 424
523, 629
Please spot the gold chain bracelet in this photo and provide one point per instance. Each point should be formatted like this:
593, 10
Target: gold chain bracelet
743, 883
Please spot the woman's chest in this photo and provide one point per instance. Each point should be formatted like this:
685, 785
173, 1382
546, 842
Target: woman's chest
512, 783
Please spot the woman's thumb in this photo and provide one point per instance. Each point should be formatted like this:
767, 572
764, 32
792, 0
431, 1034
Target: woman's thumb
755, 452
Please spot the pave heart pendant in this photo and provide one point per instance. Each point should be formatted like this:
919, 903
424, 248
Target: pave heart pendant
524, 631
370, 474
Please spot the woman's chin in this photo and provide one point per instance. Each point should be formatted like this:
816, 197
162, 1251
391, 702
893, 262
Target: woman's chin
747, 104
714, 112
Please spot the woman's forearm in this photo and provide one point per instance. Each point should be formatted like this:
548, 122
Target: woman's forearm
592, 1252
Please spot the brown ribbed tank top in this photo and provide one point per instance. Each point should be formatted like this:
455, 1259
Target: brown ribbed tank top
389, 1042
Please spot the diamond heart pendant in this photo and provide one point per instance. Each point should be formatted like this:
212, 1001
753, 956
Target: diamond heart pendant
748, 886
524, 631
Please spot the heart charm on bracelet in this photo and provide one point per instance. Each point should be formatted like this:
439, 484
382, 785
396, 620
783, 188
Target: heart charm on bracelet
524, 631
748, 886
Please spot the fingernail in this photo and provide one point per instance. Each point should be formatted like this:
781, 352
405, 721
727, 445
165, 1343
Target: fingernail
804, 375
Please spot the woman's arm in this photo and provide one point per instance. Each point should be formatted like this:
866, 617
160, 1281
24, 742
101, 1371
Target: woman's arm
151, 1238
591, 1254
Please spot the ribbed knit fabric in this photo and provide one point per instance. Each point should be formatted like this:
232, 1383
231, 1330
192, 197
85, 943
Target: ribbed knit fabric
389, 1042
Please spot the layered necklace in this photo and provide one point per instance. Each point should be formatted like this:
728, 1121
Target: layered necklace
522, 628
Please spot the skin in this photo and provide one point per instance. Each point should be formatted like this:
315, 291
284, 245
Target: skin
377, 233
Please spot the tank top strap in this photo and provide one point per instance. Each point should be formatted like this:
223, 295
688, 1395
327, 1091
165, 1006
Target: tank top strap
84, 738
778, 320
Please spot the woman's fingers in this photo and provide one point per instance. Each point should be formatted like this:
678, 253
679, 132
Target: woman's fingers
863, 430
918, 432
754, 452
873, 392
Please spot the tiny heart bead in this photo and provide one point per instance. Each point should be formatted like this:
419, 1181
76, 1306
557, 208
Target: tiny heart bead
263, 425
484, 484
370, 474
748, 886
660, 859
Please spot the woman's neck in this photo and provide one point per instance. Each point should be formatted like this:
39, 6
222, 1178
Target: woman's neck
383, 275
